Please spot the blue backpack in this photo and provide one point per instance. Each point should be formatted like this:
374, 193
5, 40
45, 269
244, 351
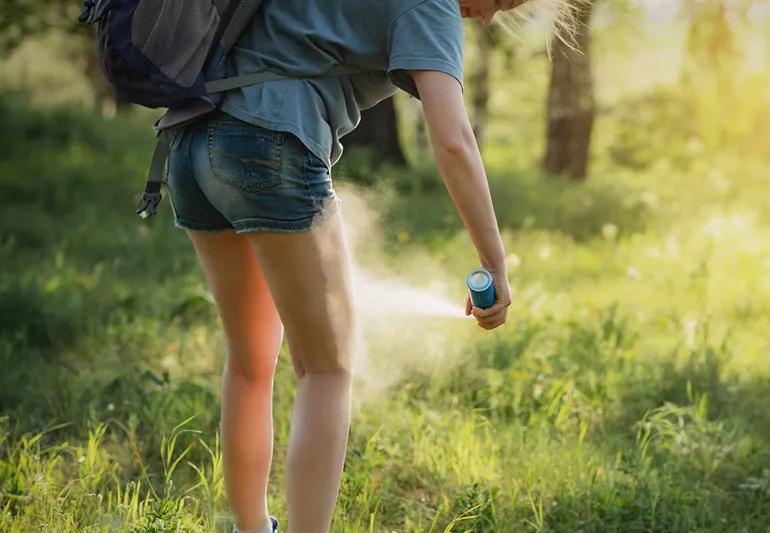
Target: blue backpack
173, 54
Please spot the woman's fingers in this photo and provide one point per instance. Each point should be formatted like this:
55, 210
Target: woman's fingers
490, 311
492, 322
468, 305
494, 316
499, 306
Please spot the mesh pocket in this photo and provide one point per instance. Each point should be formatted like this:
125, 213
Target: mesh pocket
175, 35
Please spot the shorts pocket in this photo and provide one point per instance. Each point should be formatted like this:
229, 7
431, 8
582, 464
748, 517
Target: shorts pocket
319, 182
245, 156
314, 165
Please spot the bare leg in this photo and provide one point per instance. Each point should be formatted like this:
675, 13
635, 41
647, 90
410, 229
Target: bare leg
253, 332
309, 276
317, 444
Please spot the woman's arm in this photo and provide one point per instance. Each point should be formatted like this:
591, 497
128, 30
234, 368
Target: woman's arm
459, 161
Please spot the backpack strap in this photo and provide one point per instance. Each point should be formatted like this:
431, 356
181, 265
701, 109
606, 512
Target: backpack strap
244, 80
151, 196
225, 22
239, 21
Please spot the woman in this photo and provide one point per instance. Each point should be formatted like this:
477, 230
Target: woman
251, 185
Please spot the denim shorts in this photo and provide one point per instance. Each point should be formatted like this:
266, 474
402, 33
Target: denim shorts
224, 173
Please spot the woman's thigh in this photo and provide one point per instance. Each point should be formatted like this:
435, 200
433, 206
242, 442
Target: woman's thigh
251, 323
309, 275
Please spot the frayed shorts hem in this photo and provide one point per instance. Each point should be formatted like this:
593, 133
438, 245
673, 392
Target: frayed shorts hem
260, 224
195, 226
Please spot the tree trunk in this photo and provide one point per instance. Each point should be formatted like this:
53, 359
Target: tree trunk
571, 105
421, 141
710, 71
105, 101
479, 82
379, 129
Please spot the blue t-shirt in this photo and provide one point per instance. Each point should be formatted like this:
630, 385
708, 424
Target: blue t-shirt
308, 37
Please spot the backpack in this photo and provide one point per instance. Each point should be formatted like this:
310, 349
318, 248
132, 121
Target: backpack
173, 54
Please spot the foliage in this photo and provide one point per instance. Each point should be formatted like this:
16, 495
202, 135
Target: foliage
21, 19
627, 392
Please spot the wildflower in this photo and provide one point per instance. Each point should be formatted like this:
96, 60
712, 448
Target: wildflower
633, 273
690, 327
609, 232
513, 261
649, 199
719, 181
528, 222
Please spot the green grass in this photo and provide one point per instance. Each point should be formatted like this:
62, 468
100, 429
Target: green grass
628, 391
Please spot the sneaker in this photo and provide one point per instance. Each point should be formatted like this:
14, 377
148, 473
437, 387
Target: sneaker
273, 523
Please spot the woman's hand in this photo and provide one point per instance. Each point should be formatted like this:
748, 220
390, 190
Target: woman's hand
497, 314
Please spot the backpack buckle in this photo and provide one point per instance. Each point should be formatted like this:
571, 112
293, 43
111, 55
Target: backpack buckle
148, 204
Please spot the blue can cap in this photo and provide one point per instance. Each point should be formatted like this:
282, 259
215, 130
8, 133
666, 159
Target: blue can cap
479, 280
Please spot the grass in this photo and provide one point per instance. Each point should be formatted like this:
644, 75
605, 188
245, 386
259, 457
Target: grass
628, 392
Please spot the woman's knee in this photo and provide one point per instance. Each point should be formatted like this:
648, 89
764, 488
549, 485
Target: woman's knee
254, 370
330, 346
334, 355
341, 366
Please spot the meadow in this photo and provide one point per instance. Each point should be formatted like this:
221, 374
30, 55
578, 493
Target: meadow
628, 391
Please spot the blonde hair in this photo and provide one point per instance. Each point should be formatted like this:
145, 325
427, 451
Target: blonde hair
560, 17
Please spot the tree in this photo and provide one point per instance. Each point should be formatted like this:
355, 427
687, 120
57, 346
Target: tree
20, 19
378, 129
479, 80
24, 19
711, 71
571, 104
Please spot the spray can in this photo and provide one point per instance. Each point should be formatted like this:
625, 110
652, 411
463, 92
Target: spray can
482, 289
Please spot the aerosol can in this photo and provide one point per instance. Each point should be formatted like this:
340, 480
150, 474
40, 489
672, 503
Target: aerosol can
482, 289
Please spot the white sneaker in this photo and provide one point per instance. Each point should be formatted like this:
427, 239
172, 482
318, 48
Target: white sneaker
273, 524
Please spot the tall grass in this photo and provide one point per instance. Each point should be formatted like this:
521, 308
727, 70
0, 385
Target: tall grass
627, 392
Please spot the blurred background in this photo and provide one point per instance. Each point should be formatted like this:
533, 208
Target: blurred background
627, 392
